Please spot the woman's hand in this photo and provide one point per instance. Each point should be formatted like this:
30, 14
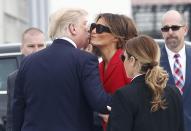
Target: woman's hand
89, 48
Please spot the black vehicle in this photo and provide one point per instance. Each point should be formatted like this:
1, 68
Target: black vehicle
10, 57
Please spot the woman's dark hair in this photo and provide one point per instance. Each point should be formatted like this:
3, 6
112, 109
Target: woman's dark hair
121, 26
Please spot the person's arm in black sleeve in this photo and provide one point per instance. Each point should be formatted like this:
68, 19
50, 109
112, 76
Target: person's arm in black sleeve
92, 86
121, 116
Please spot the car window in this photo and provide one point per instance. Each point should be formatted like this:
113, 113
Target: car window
7, 66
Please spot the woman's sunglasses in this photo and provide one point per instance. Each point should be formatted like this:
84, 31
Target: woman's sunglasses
99, 28
173, 28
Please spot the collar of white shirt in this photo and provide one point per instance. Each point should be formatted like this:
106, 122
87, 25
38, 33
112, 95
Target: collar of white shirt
171, 54
69, 40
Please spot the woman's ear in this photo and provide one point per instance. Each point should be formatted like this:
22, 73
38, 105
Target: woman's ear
134, 62
132, 59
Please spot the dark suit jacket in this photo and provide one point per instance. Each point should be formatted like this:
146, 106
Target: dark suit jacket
57, 89
131, 109
187, 86
10, 90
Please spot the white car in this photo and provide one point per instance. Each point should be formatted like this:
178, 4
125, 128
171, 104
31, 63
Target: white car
161, 41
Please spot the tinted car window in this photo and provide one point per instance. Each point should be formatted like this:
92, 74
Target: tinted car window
7, 66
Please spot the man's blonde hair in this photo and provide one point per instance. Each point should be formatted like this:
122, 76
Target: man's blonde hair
61, 19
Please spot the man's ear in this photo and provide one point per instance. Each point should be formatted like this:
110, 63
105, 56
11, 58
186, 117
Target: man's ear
21, 48
186, 30
72, 29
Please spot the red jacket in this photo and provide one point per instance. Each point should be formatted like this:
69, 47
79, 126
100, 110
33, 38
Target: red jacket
114, 76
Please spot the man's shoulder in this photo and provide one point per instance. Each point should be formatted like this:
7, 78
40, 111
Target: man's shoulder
82, 54
188, 47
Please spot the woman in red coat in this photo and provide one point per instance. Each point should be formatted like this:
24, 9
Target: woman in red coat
108, 35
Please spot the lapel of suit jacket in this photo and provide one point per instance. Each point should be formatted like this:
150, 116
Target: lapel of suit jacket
105, 74
187, 85
164, 62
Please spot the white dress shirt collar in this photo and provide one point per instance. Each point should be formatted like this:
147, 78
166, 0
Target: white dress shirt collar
182, 59
171, 54
136, 76
69, 40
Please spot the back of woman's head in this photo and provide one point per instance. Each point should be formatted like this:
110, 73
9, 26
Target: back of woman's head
121, 26
61, 19
147, 53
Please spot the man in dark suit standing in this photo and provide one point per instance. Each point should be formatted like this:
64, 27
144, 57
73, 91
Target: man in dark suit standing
32, 41
176, 58
58, 88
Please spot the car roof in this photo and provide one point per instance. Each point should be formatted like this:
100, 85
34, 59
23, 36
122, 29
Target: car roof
13, 48
10, 48
161, 41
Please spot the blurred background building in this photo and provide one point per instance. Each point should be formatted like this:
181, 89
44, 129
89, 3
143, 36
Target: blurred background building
17, 15
147, 14
13, 19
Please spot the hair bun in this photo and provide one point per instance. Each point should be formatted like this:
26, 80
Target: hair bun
147, 66
154, 63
